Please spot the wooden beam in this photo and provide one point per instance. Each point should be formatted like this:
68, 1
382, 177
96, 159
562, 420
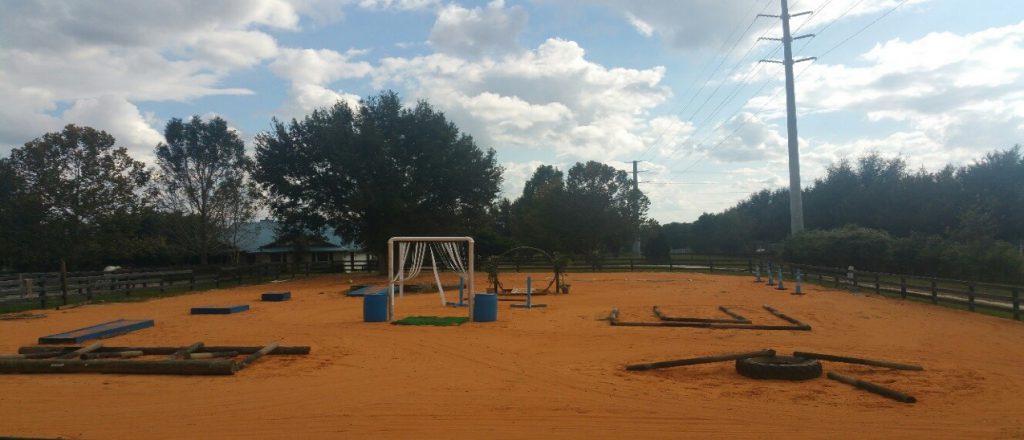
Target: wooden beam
700, 360
853, 360
735, 315
872, 387
151, 351
81, 351
175, 367
782, 316
253, 357
661, 316
113, 354
219, 354
184, 352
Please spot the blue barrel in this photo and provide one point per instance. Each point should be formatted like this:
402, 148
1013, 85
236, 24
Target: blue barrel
375, 307
485, 307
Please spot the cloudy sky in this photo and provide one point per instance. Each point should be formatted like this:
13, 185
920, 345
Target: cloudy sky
672, 83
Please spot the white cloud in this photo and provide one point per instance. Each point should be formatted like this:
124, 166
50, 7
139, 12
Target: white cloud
119, 117
493, 29
551, 97
310, 73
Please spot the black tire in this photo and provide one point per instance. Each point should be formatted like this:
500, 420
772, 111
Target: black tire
779, 367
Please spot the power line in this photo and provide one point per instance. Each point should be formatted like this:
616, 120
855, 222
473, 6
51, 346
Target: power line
872, 23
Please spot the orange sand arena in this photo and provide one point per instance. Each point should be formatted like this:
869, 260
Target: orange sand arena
551, 372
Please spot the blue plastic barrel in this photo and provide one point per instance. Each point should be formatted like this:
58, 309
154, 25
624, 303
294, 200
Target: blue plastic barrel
375, 307
485, 307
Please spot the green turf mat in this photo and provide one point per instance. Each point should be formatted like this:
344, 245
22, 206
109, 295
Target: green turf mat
432, 320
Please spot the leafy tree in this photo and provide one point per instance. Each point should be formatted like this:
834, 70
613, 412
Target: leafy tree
75, 186
603, 209
203, 172
377, 171
538, 216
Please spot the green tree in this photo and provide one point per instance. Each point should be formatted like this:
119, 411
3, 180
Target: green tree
204, 173
376, 172
76, 184
538, 216
603, 209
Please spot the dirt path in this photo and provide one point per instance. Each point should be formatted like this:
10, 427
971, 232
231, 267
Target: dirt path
551, 372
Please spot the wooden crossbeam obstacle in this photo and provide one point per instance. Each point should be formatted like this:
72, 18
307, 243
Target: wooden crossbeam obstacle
98, 331
276, 296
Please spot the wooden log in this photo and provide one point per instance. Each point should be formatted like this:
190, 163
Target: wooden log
184, 352
781, 315
151, 351
711, 325
700, 360
175, 367
81, 351
253, 357
113, 354
853, 360
211, 355
729, 312
11, 356
661, 316
872, 387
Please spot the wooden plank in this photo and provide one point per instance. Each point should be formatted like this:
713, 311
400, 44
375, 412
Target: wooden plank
253, 357
781, 315
99, 331
211, 355
184, 352
113, 354
711, 325
276, 296
729, 312
175, 367
700, 360
661, 316
872, 387
81, 351
157, 351
853, 360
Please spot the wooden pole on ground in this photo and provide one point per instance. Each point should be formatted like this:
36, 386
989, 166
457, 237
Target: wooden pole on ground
661, 316
113, 354
184, 352
700, 360
874, 388
853, 360
211, 355
735, 315
81, 351
157, 351
781, 315
253, 357
176, 367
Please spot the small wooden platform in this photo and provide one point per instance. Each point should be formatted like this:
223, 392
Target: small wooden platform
276, 296
219, 310
99, 331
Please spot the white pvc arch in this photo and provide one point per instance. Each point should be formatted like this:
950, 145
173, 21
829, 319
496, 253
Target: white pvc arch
451, 255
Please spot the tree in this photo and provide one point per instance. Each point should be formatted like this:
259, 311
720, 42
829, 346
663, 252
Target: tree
539, 214
203, 173
378, 171
604, 209
74, 186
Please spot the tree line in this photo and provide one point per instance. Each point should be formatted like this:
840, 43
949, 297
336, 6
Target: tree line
877, 214
365, 172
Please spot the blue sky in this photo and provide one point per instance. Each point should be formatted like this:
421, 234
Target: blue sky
545, 81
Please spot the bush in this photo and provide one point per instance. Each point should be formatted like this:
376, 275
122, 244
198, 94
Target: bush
862, 248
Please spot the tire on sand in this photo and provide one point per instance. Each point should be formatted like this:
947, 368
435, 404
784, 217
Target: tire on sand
779, 367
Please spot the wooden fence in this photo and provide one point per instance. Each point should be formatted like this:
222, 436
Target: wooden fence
44, 287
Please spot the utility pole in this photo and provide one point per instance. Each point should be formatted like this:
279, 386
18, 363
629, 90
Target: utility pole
796, 204
636, 215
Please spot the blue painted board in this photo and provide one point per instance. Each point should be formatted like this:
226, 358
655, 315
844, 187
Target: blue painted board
368, 290
219, 310
277, 296
99, 331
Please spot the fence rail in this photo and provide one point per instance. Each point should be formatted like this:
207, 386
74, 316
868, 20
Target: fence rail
43, 287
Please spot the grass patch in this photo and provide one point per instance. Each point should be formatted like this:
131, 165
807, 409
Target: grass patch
441, 321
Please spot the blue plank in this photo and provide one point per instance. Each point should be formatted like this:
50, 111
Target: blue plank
368, 290
99, 331
219, 310
277, 296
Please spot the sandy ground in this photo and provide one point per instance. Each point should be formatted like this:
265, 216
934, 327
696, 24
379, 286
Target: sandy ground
552, 372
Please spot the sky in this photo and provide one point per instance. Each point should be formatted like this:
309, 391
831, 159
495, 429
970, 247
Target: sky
673, 84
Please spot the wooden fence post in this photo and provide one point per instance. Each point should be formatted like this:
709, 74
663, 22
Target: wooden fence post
670, 264
64, 281
711, 266
935, 293
216, 278
903, 287
1016, 303
970, 296
631, 265
191, 280
42, 293
878, 287
88, 289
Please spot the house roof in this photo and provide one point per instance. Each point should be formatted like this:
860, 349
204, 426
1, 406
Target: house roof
259, 237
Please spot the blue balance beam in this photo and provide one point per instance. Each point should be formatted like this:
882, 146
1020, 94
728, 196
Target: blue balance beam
99, 331
277, 296
219, 310
368, 290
